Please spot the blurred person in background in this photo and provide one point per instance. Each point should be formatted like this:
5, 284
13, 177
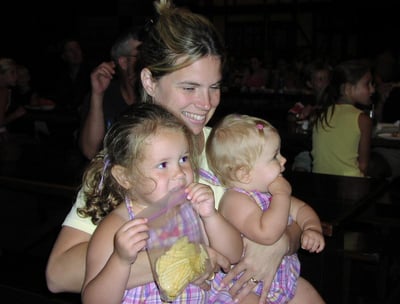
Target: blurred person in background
112, 91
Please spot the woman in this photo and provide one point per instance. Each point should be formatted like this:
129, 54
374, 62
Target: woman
180, 66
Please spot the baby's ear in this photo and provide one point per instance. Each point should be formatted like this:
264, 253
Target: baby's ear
243, 175
119, 173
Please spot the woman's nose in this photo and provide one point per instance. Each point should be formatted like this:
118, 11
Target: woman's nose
204, 101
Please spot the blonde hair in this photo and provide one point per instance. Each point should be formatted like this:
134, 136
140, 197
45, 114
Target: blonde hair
235, 143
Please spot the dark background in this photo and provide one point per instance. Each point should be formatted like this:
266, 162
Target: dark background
340, 28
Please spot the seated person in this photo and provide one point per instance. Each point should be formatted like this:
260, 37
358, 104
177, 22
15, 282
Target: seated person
317, 78
10, 110
341, 134
112, 91
255, 77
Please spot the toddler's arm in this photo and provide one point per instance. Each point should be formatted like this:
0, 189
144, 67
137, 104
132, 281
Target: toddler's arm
312, 238
222, 236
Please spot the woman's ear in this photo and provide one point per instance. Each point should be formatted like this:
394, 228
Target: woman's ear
119, 173
147, 80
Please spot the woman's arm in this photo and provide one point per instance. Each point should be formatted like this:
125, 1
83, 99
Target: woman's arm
66, 264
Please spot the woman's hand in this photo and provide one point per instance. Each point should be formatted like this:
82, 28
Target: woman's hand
218, 262
259, 263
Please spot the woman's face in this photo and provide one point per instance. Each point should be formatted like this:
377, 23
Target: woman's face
193, 93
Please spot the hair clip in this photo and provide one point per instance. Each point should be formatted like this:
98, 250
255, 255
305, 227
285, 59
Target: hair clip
260, 126
106, 163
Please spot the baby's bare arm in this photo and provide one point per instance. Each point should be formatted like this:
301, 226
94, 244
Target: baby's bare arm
312, 238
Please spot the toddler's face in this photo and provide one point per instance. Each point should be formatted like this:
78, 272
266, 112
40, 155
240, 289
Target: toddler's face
269, 165
166, 166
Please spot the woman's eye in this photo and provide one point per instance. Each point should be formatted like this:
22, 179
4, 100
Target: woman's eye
188, 88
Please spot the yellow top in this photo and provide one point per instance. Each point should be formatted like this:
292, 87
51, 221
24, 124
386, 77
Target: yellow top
335, 147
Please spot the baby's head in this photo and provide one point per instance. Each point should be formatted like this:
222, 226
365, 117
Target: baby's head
236, 143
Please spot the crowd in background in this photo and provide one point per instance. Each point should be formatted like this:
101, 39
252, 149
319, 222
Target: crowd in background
63, 81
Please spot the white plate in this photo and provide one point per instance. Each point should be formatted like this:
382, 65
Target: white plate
29, 107
388, 136
40, 107
47, 107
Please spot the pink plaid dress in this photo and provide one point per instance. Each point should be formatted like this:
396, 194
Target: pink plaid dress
193, 294
284, 285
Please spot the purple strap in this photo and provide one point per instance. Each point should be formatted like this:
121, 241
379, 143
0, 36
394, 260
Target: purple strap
208, 176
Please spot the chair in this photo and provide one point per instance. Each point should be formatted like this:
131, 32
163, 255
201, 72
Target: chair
369, 260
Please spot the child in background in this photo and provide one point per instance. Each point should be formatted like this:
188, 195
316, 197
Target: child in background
148, 153
25, 93
317, 78
244, 153
10, 111
341, 139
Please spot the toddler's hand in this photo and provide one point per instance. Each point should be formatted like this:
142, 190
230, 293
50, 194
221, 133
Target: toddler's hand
280, 186
202, 198
130, 239
312, 240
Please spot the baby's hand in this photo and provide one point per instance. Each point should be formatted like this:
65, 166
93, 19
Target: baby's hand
280, 186
202, 198
312, 240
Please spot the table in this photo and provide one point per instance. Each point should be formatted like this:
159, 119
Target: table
336, 199
385, 143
